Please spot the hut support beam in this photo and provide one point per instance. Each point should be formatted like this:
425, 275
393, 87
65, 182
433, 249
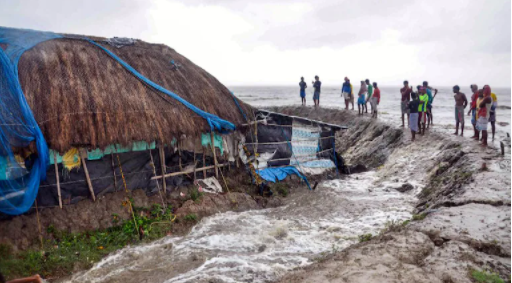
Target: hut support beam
214, 156
89, 184
162, 164
57, 178
114, 170
204, 162
188, 171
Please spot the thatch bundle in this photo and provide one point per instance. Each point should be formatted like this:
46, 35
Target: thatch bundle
81, 96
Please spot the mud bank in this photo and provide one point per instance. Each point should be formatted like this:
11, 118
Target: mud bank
463, 207
22, 232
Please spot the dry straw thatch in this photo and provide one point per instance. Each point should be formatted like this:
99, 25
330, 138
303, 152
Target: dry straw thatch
82, 97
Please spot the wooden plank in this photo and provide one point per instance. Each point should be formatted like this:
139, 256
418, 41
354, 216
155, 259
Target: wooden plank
83, 153
188, 171
214, 156
162, 164
57, 178
195, 163
179, 156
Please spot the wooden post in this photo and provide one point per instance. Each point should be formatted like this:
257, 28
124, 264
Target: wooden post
162, 164
195, 162
57, 178
89, 184
179, 155
204, 162
214, 156
114, 170
236, 153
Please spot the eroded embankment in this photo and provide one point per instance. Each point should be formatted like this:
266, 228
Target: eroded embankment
463, 211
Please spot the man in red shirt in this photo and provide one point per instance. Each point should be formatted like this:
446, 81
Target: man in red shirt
375, 100
406, 97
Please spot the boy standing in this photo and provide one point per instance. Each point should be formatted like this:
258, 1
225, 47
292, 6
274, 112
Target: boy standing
413, 114
422, 109
316, 95
303, 86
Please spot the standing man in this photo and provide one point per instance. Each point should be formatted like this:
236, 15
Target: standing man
472, 109
375, 100
404, 105
361, 100
422, 109
429, 89
492, 115
460, 104
303, 86
346, 92
351, 94
369, 96
483, 113
413, 115
316, 95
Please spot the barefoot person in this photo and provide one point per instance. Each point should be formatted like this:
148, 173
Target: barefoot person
431, 97
361, 102
375, 100
492, 115
346, 92
303, 86
460, 104
413, 115
422, 109
484, 112
404, 105
316, 95
369, 95
472, 109
351, 94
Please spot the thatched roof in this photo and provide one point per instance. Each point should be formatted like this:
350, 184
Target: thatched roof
81, 96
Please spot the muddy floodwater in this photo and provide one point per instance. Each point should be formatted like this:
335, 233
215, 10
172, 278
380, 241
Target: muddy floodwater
262, 245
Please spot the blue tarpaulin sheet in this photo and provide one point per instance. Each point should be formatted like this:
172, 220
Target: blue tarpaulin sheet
280, 173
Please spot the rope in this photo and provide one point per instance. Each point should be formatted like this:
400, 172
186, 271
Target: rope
127, 198
239, 107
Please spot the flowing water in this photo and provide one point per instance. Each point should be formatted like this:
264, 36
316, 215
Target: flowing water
261, 245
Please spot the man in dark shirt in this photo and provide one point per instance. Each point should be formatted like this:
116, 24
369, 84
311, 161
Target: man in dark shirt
413, 114
303, 86
406, 97
316, 95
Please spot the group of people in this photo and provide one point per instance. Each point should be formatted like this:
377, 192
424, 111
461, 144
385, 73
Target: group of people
367, 93
417, 105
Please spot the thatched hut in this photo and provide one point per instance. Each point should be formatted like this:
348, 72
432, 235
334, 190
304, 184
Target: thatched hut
112, 111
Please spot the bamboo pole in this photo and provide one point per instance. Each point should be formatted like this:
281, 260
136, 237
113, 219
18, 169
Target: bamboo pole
195, 163
237, 154
89, 184
179, 155
214, 156
162, 164
57, 178
204, 162
188, 171
114, 170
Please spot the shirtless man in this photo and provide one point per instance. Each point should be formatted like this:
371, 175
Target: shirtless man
406, 97
460, 104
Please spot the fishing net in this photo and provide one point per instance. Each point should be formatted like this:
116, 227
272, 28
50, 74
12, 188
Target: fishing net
18, 128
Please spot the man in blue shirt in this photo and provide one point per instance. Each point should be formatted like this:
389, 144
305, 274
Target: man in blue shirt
303, 86
429, 104
316, 95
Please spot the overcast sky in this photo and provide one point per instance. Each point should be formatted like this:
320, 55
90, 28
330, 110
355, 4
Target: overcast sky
274, 42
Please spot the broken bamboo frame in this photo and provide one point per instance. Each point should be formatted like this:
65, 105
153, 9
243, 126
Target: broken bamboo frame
57, 178
89, 183
188, 171
195, 163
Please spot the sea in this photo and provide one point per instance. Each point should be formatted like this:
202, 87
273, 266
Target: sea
443, 107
